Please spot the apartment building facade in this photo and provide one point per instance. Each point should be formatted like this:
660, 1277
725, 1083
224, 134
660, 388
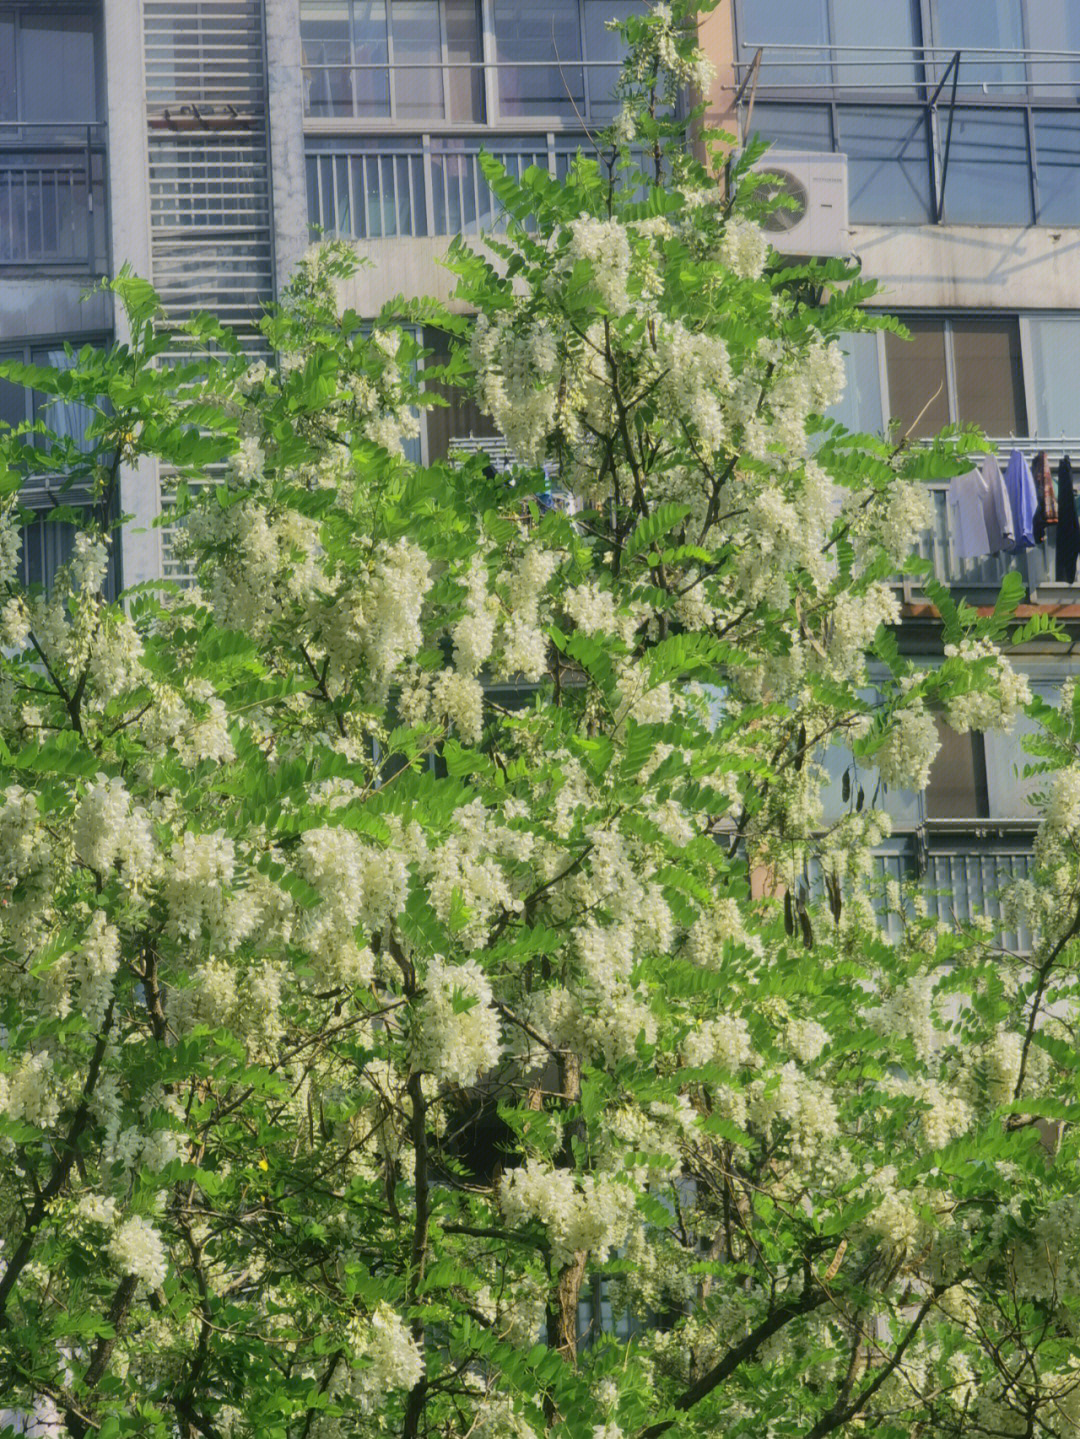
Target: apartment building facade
206, 142
956, 130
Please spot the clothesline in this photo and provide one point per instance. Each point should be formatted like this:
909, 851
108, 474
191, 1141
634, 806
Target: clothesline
993, 513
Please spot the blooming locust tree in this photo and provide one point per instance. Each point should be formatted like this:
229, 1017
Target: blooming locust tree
407, 932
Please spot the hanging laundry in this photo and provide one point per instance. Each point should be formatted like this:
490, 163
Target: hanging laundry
1068, 534
1020, 488
967, 516
1046, 510
1000, 528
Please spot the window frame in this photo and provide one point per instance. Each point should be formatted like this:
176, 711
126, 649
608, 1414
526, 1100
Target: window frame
17, 11
493, 118
40, 497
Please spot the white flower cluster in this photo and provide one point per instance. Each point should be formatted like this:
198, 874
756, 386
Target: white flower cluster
31, 1091
910, 748
22, 842
696, 374
10, 549
196, 886
724, 1042
744, 248
591, 608
806, 1039
605, 246
591, 1216
999, 694
465, 872
361, 884
89, 564
525, 645
475, 631
456, 1036
96, 962
390, 1359
111, 830
137, 1249
517, 381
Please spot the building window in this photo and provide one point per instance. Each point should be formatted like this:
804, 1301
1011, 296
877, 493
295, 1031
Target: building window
799, 36
47, 543
888, 150
423, 61
52, 152
405, 60
988, 180
1054, 348
963, 370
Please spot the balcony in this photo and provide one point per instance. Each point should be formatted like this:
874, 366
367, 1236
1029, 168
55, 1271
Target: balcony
980, 579
933, 134
377, 186
52, 197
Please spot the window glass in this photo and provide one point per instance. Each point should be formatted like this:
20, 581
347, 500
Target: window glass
602, 44
327, 54
989, 377
859, 408
793, 127
888, 164
1054, 25
895, 25
1057, 145
57, 67
983, 26
957, 785
918, 390
464, 51
784, 28
1055, 364
534, 45
988, 181
1010, 793
370, 53
7, 68
418, 75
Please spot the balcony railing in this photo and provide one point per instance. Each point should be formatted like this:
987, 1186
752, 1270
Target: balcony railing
979, 72
377, 186
985, 573
52, 196
960, 868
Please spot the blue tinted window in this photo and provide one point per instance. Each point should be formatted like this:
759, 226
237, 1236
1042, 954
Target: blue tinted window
793, 35
987, 181
976, 28
1057, 153
793, 127
859, 408
888, 164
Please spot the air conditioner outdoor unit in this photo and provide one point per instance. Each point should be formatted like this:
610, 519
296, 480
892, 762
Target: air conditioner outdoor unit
817, 225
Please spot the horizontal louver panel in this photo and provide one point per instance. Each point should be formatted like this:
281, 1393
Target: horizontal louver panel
211, 237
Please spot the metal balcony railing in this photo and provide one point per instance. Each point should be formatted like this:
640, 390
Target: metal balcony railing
985, 573
52, 196
375, 186
978, 72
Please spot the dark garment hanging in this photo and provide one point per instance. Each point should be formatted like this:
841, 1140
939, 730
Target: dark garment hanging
1046, 509
1068, 531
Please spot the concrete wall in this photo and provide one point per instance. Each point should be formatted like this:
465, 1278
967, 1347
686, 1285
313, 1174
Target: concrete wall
971, 267
288, 173
129, 215
47, 306
399, 266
